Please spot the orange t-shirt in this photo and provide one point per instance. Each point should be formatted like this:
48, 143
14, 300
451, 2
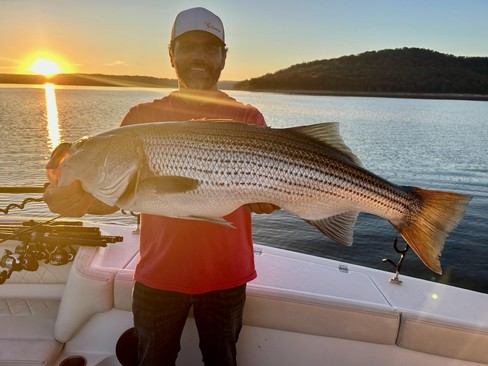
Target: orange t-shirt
186, 255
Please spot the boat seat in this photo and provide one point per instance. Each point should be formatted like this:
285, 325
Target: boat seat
445, 337
327, 317
282, 297
287, 297
286, 304
124, 282
443, 320
29, 303
93, 273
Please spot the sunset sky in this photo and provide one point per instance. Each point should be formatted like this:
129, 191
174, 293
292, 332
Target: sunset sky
129, 37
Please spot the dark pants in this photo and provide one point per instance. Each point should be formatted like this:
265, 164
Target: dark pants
159, 318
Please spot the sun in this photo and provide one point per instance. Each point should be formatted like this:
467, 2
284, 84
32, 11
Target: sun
46, 63
45, 67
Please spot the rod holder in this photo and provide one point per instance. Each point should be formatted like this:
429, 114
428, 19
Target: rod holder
398, 265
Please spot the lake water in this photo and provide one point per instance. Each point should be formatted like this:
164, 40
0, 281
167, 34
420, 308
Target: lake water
438, 144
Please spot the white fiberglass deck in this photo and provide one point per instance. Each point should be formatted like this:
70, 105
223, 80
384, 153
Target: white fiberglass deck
300, 310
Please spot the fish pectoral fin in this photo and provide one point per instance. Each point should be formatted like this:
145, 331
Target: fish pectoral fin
169, 184
339, 227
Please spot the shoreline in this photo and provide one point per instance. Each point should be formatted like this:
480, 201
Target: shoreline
333, 93
226, 85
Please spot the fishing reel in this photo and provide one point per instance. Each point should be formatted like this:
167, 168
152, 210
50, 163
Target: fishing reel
28, 256
51, 244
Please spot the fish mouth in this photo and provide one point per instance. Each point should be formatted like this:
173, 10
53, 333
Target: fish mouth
59, 154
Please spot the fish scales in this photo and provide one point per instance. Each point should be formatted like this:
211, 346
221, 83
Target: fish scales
263, 165
206, 169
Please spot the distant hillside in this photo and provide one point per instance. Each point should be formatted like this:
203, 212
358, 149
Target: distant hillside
405, 70
100, 80
90, 79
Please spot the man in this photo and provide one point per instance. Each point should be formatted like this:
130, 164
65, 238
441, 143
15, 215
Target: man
186, 263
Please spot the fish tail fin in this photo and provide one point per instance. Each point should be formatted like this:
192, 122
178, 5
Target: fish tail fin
425, 229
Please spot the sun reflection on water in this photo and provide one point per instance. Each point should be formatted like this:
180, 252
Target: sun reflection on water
54, 134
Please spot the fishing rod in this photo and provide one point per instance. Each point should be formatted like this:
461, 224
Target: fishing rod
23, 258
28, 229
46, 241
40, 189
23, 189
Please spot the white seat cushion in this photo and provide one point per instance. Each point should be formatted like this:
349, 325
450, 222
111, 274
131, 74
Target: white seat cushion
444, 337
27, 331
327, 316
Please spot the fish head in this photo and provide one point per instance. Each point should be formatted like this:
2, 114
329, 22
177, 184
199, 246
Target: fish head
104, 164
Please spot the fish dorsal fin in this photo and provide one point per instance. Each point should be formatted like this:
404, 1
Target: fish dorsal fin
328, 133
339, 227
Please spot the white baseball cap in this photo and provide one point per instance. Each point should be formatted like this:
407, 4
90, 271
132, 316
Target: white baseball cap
198, 19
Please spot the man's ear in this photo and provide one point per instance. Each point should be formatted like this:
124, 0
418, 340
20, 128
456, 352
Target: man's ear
224, 57
171, 56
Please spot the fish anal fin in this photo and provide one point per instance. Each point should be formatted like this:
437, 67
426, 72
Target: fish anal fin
328, 133
339, 227
169, 184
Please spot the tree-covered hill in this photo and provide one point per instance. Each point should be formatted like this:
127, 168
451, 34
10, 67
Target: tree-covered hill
89, 79
405, 70
99, 80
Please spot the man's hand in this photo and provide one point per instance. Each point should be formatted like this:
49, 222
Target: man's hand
261, 208
73, 201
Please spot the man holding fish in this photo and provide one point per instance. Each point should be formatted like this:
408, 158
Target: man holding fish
196, 180
185, 263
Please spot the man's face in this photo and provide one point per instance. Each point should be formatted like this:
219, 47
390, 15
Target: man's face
198, 59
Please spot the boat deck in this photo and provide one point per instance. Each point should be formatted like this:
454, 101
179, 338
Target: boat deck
300, 310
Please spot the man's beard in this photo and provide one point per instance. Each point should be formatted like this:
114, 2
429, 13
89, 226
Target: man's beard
200, 80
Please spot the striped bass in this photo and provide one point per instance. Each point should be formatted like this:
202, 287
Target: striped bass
206, 169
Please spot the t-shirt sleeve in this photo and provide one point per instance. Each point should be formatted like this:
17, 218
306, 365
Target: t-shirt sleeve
254, 116
131, 117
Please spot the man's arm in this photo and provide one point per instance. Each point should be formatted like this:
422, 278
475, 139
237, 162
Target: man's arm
73, 201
